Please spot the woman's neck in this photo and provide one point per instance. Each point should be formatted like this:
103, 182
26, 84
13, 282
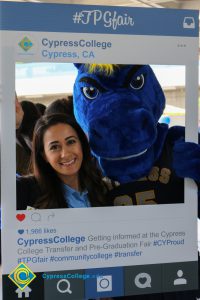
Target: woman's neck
71, 181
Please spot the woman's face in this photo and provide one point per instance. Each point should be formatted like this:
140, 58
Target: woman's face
63, 151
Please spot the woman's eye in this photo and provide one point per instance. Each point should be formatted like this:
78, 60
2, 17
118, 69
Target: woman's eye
70, 142
54, 147
90, 93
137, 83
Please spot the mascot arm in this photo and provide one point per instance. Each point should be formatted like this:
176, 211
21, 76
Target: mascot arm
186, 160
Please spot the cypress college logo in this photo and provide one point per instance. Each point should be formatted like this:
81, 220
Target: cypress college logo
25, 44
22, 276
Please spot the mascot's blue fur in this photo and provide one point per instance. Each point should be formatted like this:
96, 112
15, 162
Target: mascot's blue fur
119, 110
119, 107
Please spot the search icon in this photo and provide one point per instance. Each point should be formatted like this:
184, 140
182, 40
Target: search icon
66, 290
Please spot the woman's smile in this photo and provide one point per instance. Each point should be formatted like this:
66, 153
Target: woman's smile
68, 163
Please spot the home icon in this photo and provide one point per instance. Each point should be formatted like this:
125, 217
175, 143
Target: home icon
25, 292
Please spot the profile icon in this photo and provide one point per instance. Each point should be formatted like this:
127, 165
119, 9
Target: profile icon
180, 280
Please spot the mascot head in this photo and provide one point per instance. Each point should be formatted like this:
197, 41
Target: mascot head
118, 107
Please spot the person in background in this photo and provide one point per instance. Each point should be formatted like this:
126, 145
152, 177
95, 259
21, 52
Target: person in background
26, 116
64, 173
41, 108
64, 105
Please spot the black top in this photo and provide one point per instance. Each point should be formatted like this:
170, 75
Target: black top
28, 192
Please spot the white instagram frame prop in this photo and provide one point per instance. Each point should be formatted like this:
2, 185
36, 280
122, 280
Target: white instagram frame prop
153, 41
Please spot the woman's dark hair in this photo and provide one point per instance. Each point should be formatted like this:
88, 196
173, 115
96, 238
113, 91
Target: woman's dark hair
49, 183
31, 115
63, 106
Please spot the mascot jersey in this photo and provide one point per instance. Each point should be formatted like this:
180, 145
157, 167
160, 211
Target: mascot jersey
161, 186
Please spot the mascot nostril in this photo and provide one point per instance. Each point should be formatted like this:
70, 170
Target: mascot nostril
144, 123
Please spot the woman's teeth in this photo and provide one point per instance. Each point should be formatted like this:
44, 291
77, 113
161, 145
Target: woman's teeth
68, 163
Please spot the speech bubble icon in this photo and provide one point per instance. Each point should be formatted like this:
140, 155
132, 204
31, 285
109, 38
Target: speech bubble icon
143, 280
36, 217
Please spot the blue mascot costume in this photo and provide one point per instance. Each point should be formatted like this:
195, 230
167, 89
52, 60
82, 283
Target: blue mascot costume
118, 107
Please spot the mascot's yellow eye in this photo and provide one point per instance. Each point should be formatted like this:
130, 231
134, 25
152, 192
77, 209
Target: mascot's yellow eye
137, 82
91, 92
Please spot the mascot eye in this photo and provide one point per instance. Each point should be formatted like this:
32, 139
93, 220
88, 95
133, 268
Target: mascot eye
138, 82
90, 92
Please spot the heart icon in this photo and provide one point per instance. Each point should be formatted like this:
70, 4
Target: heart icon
21, 231
20, 217
142, 280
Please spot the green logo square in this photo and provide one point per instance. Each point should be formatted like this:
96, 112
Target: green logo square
21, 276
25, 44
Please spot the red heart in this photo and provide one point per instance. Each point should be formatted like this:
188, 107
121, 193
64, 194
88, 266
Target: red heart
20, 217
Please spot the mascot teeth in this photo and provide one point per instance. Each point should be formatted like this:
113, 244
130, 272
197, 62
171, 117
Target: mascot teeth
126, 157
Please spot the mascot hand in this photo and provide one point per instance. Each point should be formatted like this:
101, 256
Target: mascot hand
186, 159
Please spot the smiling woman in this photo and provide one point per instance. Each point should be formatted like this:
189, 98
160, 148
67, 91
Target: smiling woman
64, 173
63, 151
